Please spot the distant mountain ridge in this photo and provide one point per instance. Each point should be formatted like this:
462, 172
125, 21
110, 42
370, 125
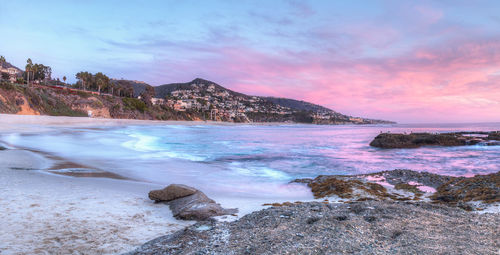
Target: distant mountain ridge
297, 104
164, 90
317, 113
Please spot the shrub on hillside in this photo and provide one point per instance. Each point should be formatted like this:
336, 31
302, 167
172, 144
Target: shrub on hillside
134, 104
83, 94
7, 85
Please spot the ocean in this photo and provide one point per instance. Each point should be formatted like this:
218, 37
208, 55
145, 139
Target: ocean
254, 160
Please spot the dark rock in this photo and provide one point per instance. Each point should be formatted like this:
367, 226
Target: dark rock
173, 191
311, 220
370, 218
197, 207
415, 140
397, 176
485, 188
341, 218
494, 136
188, 203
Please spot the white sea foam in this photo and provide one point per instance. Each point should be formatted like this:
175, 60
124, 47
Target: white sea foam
171, 154
140, 142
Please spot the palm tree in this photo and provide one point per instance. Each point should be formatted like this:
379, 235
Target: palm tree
101, 81
79, 76
29, 66
88, 79
85, 78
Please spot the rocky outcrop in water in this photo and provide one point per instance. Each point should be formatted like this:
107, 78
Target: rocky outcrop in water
370, 227
415, 140
470, 193
188, 203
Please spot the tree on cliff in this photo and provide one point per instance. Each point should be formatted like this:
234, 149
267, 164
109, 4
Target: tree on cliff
37, 72
147, 95
101, 80
29, 66
85, 78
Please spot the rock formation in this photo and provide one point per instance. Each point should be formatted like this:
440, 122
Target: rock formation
415, 140
188, 203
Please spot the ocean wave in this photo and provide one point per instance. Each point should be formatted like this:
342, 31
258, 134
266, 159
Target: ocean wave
142, 143
171, 154
255, 171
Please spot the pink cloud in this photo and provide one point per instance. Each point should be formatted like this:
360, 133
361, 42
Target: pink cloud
445, 83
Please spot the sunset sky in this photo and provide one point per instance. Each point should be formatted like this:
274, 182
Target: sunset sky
407, 61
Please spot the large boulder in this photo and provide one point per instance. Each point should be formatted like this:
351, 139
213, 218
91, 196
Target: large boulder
188, 203
197, 207
173, 191
415, 140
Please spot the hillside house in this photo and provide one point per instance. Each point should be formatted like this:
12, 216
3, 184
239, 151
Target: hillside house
13, 72
157, 101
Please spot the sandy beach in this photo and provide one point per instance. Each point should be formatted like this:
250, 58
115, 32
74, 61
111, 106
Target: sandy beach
46, 213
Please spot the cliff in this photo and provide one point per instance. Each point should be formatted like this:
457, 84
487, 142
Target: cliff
16, 99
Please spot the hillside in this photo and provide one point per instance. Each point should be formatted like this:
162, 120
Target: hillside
138, 86
198, 99
234, 106
18, 99
6, 65
163, 91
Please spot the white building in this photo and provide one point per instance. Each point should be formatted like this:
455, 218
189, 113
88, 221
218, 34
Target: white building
13, 72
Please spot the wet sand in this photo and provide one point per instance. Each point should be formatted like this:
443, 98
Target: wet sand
44, 213
23, 122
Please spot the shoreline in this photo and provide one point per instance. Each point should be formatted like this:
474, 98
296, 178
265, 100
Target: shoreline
70, 212
71, 121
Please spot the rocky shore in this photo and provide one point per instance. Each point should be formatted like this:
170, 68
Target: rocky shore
397, 212
369, 227
415, 140
470, 193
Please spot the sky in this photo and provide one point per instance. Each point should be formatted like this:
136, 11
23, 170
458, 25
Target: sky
407, 61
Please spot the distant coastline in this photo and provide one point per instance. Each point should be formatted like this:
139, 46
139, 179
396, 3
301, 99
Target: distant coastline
198, 100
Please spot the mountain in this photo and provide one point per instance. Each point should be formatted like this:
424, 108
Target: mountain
205, 96
164, 90
297, 104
